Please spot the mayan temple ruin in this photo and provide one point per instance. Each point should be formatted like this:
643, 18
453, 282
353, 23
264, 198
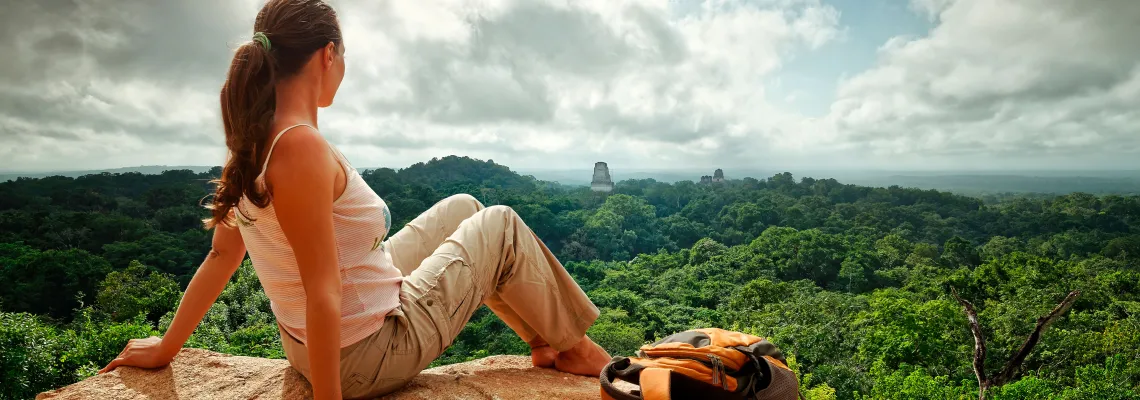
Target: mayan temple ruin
717, 176
601, 181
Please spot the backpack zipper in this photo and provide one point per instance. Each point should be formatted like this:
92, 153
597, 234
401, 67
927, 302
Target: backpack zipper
693, 354
715, 363
715, 370
719, 375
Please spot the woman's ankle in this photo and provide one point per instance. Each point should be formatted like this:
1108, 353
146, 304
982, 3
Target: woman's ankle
537, 342
583, 346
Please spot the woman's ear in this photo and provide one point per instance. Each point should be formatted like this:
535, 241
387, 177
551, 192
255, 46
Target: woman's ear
329, 55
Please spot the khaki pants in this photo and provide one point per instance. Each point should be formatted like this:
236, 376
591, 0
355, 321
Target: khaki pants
455, 257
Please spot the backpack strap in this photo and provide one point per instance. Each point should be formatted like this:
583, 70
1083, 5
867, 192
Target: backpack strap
771, 377
620, 368
656, 383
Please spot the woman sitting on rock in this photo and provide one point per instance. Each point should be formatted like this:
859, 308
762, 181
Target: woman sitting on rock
360, 314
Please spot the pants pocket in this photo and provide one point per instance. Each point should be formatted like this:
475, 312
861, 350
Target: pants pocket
352, 385
461, 296
432, 323
402, 339
448, 301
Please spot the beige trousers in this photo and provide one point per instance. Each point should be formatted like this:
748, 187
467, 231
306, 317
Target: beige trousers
455, 257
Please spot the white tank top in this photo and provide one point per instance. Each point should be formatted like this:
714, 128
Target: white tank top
370, 283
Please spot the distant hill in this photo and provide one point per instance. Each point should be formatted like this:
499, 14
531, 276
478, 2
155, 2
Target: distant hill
146, 169
440, 173
974, 183
991, 184
456, 173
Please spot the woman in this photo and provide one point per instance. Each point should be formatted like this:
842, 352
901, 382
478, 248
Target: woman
359, 315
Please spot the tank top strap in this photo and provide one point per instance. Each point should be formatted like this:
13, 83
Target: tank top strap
340, 158
274, 143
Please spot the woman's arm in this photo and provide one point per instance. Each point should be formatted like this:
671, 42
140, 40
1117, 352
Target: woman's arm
302, 175
224, 258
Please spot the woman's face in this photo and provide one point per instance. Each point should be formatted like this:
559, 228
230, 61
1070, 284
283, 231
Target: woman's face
332, 59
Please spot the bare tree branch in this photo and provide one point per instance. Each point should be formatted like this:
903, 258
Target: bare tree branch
979, 344
1014, 363
1011, 367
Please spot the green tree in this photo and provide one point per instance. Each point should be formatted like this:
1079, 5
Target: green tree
51, 282
137, 290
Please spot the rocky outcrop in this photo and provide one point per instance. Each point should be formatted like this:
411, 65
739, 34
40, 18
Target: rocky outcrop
601, 181
204, 375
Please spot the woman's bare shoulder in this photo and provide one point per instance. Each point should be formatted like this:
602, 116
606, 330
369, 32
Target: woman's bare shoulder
301, 153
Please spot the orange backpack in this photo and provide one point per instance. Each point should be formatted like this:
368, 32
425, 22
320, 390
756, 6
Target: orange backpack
708, 363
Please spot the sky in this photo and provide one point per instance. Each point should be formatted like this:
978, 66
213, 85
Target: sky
639, 84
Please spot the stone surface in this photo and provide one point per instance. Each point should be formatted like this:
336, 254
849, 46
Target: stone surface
204, 375
601, 181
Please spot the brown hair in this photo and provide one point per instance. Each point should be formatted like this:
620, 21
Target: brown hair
295, 29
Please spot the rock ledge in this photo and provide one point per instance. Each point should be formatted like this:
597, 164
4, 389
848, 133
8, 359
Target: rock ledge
204, 375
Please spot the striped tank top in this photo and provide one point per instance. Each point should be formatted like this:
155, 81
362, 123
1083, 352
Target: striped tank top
370, 283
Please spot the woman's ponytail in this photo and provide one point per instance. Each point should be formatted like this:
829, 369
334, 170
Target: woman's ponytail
287, 33
248, 101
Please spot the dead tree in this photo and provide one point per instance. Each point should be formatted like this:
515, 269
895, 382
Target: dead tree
985, 383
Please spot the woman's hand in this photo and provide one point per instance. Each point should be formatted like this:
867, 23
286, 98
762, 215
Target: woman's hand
208, 282
143, 353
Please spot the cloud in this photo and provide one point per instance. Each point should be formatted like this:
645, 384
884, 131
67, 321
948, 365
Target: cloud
527, 80
1020, 81
633, 74
99, 83
560, 83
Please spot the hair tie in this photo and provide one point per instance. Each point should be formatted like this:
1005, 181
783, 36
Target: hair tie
261, 39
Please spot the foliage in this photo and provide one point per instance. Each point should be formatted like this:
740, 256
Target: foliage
134, 291
850, 281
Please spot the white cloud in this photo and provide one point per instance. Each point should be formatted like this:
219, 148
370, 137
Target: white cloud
526, 82
1015, 81
564, 83
98, 83
512, 74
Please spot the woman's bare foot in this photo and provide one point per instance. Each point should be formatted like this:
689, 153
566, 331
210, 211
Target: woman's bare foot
543, 356
585, 358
